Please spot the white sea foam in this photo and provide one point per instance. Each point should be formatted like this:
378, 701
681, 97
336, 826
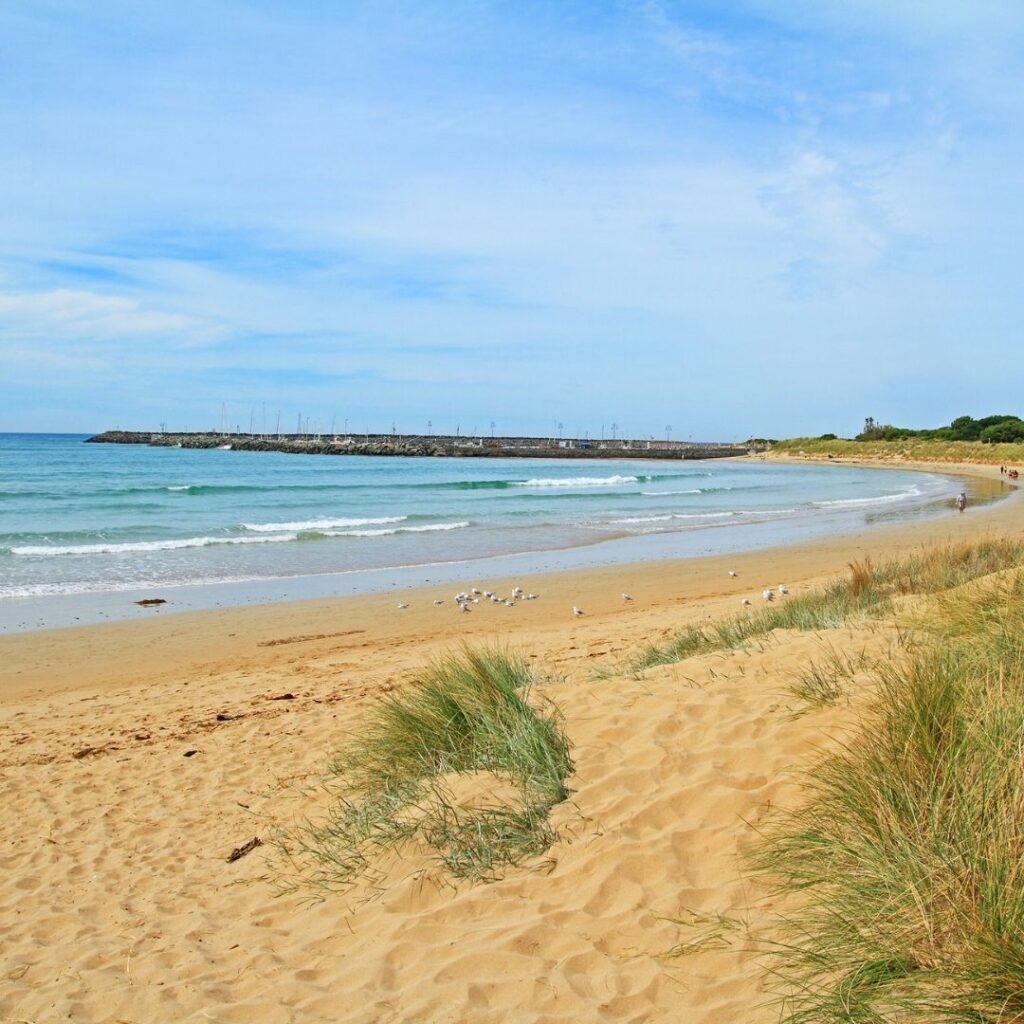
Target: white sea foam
320, 524
884, 499
117, 586
576, 481
638, 520
145, 545
662, 494
180, 487
428, 528
673, 515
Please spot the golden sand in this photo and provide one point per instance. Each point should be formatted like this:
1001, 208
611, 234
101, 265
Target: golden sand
117, 902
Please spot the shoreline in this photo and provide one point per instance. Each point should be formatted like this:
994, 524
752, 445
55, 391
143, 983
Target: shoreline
728, 538
216, 638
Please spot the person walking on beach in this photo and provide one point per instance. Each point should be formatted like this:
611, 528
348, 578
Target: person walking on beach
961, 501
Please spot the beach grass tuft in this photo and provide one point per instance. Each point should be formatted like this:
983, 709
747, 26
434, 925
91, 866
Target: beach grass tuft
469, 714
904, 870
822, 683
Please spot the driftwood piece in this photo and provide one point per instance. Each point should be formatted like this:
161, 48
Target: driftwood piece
240, 851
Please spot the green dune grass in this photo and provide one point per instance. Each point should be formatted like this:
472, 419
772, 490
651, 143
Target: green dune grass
867, 591
904, 870
468, 713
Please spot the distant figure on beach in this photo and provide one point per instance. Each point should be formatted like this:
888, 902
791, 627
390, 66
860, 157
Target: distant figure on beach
961, 501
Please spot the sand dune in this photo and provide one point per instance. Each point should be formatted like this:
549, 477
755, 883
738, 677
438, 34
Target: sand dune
117, 902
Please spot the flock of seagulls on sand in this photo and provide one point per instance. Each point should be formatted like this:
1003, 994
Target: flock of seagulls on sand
464, 599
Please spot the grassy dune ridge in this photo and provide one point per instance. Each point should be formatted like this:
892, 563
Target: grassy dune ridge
901, 876
869, 590
905, 868
905, 449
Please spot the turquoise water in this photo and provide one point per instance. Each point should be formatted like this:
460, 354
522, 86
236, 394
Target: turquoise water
85, 518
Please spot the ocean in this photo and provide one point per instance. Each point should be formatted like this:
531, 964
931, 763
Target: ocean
93, 518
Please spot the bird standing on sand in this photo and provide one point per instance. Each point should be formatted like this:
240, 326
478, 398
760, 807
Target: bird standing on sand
732, 572
402, 604
745, 600
577, 611
768, 594
626, 597
438, 600
783, 589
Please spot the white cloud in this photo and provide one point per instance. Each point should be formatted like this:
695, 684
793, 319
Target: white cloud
69, 313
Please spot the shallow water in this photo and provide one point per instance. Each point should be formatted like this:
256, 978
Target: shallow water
84, 518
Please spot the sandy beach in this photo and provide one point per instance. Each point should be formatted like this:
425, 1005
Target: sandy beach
136, 755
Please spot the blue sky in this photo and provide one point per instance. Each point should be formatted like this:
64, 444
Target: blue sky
734, 218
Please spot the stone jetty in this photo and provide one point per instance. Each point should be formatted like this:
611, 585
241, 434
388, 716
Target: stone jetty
435, 445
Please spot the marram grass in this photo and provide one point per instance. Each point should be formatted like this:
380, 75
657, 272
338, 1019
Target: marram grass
904, 871
468, 713
867, 591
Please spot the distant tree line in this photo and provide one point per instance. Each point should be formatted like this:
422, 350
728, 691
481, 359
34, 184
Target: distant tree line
988, 430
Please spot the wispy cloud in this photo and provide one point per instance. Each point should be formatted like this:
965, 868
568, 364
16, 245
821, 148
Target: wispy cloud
581, 211
81, 315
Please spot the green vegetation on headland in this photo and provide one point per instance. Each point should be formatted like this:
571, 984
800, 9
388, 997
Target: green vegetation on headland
911, 450
997, 440
431, 445
1000, 429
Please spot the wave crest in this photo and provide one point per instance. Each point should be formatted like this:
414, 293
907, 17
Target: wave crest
320, 524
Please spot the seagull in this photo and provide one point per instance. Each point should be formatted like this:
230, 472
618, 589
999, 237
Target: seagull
531, 597
438, 600
768, 594
783, 589
517, 591
626, 597
577, 611
732, 572
745, 600
465, 607
402, 604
